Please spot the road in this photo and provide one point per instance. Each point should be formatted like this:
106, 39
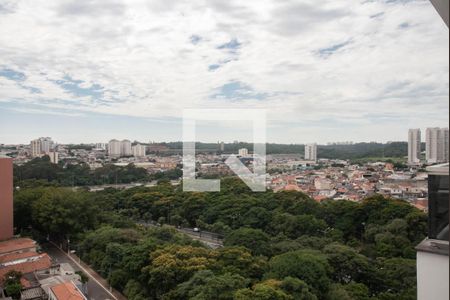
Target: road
96, 290
211, 239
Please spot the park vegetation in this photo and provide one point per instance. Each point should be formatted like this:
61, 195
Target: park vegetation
276, 245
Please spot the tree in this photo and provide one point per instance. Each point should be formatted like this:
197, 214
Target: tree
254, 239
262, 291
297, 288
13, 290
296, 226
310, 266
12, 284
84, 279
206, 285
62, 212
347, 265
175, 264
239, 260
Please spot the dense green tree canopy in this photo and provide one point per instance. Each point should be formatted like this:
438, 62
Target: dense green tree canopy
277, 245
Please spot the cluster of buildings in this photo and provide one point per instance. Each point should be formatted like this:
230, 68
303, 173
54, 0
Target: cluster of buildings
340, 180
125, 148
39, 276
437, 146
44, 146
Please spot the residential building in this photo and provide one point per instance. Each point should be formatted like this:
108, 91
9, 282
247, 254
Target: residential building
311, 152
243, 152
46, 144
125, 147
21, 255
138, 150
221, 146
65, 291
41, 146
54, 156
114, 148
414, 146
437, 144
100, 146
6, 198
433, 251
36, 150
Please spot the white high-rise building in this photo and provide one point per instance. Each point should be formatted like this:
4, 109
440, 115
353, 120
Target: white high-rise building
414, 146
114, 148
437, 145
36, 150
41, 146
126, 148
100, 146
46, 144
138, 150
311, 152
243, 152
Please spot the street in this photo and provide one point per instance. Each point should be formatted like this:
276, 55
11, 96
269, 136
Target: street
95, 290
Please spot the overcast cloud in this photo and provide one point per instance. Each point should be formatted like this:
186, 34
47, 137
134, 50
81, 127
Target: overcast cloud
325, 70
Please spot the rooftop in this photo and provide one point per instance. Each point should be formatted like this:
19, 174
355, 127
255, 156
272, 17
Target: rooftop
442, 169
16, 245
40, 262
67, 291
17, 256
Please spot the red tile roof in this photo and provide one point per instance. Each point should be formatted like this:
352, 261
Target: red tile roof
67, 291
16, 245
42, 263
16, 256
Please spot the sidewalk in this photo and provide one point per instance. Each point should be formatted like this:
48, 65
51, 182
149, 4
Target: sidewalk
100, 280
93, 275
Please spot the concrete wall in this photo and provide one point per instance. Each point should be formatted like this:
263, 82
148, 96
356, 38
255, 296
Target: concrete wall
6, 198
432, 276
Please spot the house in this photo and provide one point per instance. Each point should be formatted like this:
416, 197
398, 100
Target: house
65, 291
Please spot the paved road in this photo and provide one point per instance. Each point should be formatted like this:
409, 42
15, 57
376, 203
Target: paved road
211, 239
95, 290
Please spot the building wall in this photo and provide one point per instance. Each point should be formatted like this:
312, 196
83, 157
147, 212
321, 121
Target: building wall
311, 152
114, 148
6, 198
126, 148
36, 150
432, 276
138, 150
414, 145
437, 145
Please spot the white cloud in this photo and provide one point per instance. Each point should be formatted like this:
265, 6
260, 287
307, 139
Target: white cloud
393, 58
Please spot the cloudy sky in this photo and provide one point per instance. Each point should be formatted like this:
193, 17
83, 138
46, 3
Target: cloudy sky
92, 70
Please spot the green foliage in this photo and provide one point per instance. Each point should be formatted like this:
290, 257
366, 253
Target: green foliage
254, 239
13, 290
175, 264
205, 285
277, 246
61, 212
310, 266
42, 170
262, 291
346, 263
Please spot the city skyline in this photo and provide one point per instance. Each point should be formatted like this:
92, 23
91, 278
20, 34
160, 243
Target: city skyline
328, 73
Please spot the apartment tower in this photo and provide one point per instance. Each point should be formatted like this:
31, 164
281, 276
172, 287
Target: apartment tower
414, 146
311, 152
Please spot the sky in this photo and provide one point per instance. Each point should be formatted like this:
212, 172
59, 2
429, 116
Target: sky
325, 71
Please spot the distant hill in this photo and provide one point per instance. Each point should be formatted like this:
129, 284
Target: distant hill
353, 151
